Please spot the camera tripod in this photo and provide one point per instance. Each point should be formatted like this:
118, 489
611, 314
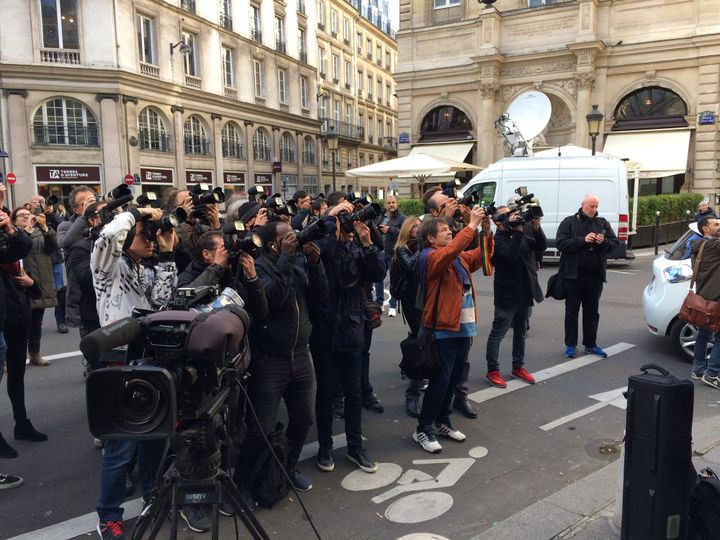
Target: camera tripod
174, 492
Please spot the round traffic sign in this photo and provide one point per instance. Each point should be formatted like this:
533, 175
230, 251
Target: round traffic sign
129, 179
11, 178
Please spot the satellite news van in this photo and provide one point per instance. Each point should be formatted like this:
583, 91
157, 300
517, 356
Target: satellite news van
559, 183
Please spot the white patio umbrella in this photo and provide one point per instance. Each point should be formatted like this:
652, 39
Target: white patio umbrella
419, 166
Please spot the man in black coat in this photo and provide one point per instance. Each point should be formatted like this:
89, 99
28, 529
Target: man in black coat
516, 288
584, 239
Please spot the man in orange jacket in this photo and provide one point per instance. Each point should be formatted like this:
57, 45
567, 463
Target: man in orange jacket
446, 271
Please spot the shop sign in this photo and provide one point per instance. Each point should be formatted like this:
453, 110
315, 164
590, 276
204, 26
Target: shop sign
707, 118
265, 179
233, 177
79, 175
197, 177
156, 176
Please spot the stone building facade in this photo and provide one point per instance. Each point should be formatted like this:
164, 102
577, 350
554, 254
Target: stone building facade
652, 67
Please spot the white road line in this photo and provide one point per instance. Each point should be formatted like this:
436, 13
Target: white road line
573, 416
545, 374
84, 524
58, 356
622, 272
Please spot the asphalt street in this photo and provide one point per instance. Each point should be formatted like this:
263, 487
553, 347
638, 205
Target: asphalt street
527, 442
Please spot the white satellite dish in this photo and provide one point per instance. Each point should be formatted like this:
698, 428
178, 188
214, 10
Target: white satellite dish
526, 117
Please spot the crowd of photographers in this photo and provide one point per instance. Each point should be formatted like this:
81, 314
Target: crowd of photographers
311, 273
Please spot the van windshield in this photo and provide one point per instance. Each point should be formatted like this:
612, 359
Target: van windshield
486, 192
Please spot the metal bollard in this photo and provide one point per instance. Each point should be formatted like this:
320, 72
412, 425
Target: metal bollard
656, 240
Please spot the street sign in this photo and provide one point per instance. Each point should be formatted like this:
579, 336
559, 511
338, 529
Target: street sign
129, 179
11, 178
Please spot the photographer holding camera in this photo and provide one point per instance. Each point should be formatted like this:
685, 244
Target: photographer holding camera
389, 226
122, 281
338, 334
292, 276
515, 289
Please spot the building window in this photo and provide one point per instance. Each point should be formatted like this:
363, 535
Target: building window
261, 147
445, 123
304, 102
60, 25
648, 108
336, 111
228, 69
388, 63
287, 148
447, 3
378, 54
152, 131
310, 185
282, 85
369, 86
348, 74
226, 14
233, 143
323, 108
65, 121
280, 34
323, 63
360, 82
302, 47
333, 23
190, 60
196, 141
358, 42
259, 78
388, 94
308, 151
538, 3
146, 39
348, 114
255, 23
346, 30
288, 183
379, 91
368, 48
321, 15
335, 68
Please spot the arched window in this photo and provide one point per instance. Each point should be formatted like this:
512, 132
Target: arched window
261, 146
287, 148
309, 151
445, 123
233, 142
196, 141
152, 131
651, 107
65, 121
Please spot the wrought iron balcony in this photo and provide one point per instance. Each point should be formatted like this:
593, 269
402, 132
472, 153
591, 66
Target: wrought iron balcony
197, 145
70, 135
389, 142
280, 46
226, 22
303, 57
188, 5
154, 141
328, 126
256, 35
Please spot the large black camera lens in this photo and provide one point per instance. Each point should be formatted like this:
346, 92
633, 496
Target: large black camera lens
312, 232
471, 199
120, 191
138, 401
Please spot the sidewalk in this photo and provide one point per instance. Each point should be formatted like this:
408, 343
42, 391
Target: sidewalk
584, 510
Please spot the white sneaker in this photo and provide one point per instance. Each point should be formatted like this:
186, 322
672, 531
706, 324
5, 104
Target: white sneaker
427, 441
392, 312
450, 432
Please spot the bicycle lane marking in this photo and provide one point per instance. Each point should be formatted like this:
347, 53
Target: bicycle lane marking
544, 374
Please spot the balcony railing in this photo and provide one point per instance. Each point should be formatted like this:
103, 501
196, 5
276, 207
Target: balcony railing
328, 126
389, 142
188, 5
280, 46
321, 26
256, 35
192, 81
308, 158
287, 156
303, 57
197, 145
60, 56
230, 92
150, 70
226, 22
236, 151
154, 141
71, 135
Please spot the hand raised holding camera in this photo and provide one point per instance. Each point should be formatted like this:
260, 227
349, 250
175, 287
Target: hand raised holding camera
166, 240
363, 233
289, 243
248, 265
476, 216
151, 214
312, 252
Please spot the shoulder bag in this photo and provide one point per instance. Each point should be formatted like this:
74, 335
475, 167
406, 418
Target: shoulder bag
695, 309
420, 356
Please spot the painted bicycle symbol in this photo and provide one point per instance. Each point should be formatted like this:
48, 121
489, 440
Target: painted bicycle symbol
424, 501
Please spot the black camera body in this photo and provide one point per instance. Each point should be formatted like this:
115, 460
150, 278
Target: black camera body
237, 238
316, 230
165, 223
202, 196
526, 206
276, 207
368, 213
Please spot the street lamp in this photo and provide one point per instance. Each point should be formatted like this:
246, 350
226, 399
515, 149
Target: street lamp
184, 49
594, 119
332, 142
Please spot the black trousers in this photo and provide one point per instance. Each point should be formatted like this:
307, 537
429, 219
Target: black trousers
413, 318
584, 291
16, 338
36, 320
274, 378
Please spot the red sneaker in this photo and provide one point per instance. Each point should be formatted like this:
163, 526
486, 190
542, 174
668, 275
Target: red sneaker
494, 378
524, 374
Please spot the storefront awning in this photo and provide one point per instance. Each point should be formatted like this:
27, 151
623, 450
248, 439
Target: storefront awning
658, 153
452, 151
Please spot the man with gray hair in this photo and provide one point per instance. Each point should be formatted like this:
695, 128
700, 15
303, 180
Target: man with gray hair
584, 239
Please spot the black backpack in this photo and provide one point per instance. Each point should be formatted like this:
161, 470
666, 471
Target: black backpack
268, 478
705, 507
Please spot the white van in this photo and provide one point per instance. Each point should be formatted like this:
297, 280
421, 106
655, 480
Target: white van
560, 184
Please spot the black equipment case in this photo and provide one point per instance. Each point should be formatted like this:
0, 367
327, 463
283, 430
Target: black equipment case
658, 471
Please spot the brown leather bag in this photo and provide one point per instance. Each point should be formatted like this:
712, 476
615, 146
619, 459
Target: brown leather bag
695, 309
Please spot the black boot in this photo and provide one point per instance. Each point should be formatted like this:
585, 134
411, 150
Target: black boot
24, 430
6, 451
411, 407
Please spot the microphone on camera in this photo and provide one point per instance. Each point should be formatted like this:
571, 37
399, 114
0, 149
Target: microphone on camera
110, 337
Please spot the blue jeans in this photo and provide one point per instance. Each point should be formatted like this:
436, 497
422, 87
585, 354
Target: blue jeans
380, 288
3, 350
439, 394
711, 365
517, 317
59, 289
117, 456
